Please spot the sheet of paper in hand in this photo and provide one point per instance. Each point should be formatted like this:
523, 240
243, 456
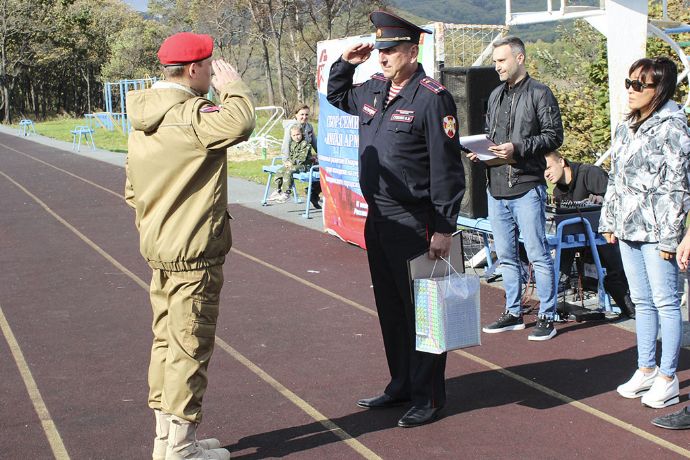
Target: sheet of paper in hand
479, 144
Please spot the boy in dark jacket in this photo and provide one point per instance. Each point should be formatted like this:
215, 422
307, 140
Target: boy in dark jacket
576, 182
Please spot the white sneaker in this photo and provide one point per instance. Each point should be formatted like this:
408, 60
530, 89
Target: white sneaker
275, 195
662, 393
283, 198
638, 384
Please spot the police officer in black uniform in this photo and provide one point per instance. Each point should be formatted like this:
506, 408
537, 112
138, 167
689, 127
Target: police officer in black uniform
412, 178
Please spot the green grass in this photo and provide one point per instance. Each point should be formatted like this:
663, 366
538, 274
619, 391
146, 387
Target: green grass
116, 141
248, 168
59, 128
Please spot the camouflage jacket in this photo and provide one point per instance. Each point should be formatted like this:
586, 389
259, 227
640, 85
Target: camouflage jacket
648, 194
300, 153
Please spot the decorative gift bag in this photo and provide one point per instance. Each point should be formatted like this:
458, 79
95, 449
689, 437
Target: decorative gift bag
447, 311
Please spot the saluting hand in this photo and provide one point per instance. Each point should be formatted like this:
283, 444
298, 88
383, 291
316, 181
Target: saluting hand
359, 53
223, 73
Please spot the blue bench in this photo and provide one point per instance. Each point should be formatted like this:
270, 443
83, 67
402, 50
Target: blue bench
26, 127
556, 242
77, 134
311, 176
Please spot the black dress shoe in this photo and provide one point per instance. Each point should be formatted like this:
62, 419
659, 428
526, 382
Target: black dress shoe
381, 402
418, 416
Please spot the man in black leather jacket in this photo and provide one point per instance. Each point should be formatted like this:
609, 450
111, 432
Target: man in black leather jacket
524, 121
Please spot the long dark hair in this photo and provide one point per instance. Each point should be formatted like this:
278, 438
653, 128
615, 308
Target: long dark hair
664, 75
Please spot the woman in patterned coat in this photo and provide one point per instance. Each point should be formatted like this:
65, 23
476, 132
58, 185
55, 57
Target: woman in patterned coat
645, 209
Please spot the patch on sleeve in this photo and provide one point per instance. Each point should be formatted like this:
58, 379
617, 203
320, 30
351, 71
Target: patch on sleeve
369, 110
379, 76
432, 85
450, 126
210, 109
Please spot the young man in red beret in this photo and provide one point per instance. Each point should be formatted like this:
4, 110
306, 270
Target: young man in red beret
177, 183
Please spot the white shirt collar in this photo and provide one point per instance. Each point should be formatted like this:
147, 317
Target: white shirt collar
162, 84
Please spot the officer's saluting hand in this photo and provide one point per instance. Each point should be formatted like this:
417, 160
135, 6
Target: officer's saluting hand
359, 53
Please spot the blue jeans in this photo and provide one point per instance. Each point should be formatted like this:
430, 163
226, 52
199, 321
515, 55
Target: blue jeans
654, 291
523, 216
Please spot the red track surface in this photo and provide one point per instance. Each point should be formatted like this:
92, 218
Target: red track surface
83, 328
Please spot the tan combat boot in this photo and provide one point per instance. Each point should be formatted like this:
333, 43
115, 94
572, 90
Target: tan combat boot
182, 443
160, 443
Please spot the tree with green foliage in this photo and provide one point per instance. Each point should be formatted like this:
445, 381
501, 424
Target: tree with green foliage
52, 51
133, 50
576, 68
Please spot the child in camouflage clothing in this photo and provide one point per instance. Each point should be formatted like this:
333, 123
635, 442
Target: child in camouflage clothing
299, 159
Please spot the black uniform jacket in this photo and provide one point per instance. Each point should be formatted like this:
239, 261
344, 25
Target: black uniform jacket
586, 180
409, 153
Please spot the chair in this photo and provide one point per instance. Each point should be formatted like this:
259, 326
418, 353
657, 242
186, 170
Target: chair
311, 176
26, 127
587, 239
82, 131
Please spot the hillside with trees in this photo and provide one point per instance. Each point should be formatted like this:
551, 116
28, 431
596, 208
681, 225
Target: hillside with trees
55, 55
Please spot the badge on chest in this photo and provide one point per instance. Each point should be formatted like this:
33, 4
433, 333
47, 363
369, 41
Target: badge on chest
403, 116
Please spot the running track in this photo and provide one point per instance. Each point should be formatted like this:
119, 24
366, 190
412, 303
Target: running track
295, 349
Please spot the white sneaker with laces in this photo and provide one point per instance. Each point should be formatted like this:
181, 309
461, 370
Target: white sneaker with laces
638, 384
662, 393
283, 198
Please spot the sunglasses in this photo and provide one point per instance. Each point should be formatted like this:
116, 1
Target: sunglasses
637, 85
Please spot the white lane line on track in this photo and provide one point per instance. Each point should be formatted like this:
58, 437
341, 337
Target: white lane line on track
49, 428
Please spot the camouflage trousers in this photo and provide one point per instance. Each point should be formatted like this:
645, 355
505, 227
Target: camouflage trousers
284, 178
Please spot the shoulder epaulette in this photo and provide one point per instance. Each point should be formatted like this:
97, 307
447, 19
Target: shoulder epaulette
432, 85
379, 76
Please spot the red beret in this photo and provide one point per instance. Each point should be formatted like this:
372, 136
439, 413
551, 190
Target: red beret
185, 47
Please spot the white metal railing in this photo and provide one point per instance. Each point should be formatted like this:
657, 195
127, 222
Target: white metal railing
564, 12
261, 136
